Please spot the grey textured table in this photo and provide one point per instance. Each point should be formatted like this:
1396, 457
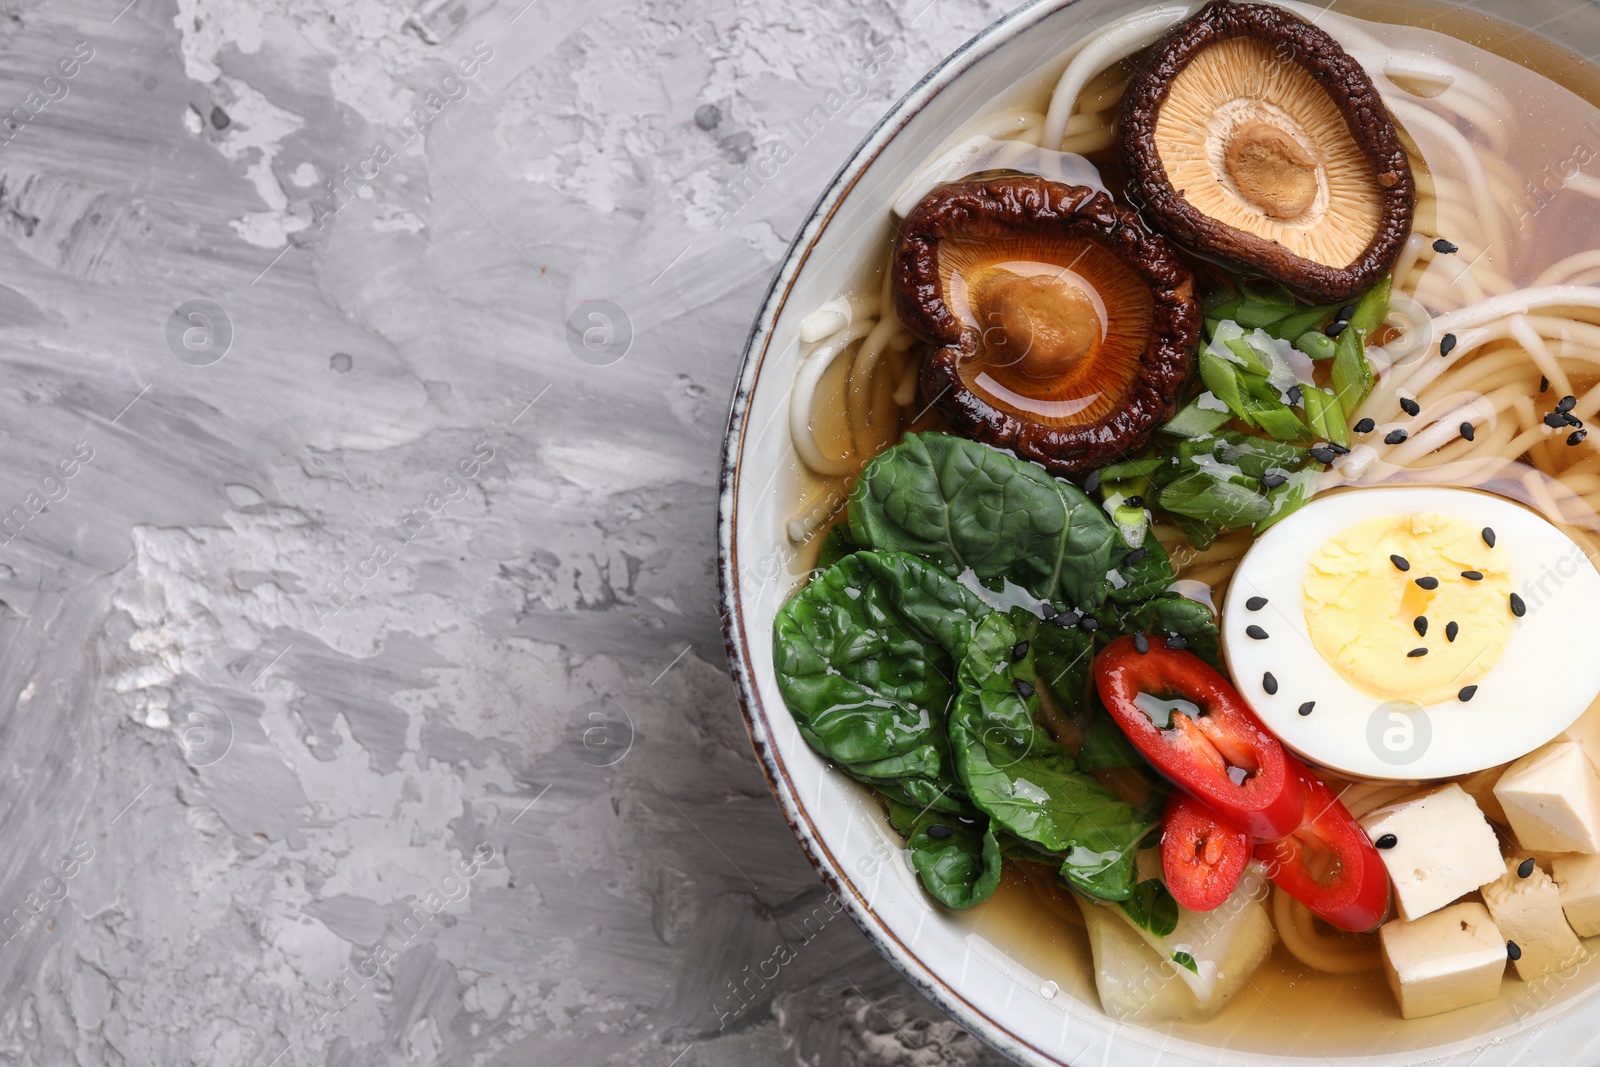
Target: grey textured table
333, 578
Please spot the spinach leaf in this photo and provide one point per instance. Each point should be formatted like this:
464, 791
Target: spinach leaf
1167, 616
1022, 779
967, 506
1149, 575
836, 546
1106, 747
1152, 907
958, 868
865, 656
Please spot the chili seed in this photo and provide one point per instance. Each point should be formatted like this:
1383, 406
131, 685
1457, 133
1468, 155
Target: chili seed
1019, 650
1420, 624
1467, 432
1525, 868
1091, 483
939, 831
1429, 583
1141, 644
1450, 632
1488, 536
1273, 479
1467, 693
1269, 683
1365, 426
1445, 248
1255, 632
1176, 643
1518, 608
1566, 404
1416, 653
1323, 455
1306, 708
1576, 437
1024, 689
1409, 406
1395, 437
1400, 562
1387, 841
1256, 603
1513, 951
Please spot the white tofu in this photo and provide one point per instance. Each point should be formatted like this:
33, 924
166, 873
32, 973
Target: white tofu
1444, 849
1443, 961
1578, 878
1552, 799
1480, 787
1586, 732
1528, 913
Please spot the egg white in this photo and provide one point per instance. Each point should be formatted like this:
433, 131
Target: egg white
1547, 676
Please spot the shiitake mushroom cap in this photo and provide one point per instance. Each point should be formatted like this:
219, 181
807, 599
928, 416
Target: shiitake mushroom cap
1063, 328
1251, 137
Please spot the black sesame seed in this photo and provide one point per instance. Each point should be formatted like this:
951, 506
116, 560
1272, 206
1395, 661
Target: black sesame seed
1518, 608
1525, 868
1255, 632
1420, 624
939, 831
1346, 312
1450, 632
1416, 653
1091, 483
1176, 643
1566, 404
1273, 479
1488, 536
1335, 328
1409, 406
1429, 583
1256, 603
1570, 419
1294, 397
1135, 501
1141, 643
1554, 421
1269, 683
1337, 448
1323, 455
1365, 426
1544, 384
1047, 610
1513, 951
1019, 650
1467, 693
1445, 248
1024, 689
1395, 437
1576, 437
1307, 707
1447, 344
1472, 576
1387, 841
1400, 563
1089, 624
1467, 432
1136, 556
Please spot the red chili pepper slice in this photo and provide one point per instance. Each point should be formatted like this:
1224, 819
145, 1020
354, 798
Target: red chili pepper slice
1223, 755
1328, 864
1202, 855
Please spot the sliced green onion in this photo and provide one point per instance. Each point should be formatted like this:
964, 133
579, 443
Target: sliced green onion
1133, 468
1278, 420
1352, 374
1209, 500
1289, 497
1223, 379
1325, 416
1317, 344
1292, 326
1372, 308
1204, 415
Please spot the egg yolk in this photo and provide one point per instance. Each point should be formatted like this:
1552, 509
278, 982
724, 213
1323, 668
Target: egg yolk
1409, 607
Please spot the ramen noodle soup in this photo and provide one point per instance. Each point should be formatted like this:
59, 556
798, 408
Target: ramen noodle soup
1202, 502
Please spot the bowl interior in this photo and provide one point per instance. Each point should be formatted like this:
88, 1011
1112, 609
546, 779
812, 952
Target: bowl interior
1009, 970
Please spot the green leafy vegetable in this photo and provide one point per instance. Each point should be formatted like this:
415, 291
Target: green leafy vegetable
836, 546
1149, 575
959, 868
1200, 496
1186, 961
966, 506
1152, 907
1174, 616
1026, 782
1352, 376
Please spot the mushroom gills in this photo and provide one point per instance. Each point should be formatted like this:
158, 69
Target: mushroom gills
1056, 329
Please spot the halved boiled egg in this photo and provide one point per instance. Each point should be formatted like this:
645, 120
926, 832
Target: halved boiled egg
1414, 633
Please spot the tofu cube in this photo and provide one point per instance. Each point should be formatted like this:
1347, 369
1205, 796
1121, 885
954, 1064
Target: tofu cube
1528, 913
1480, 787
1578, 878
1552, 799
1444, 849
1586, 733
1443, 961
